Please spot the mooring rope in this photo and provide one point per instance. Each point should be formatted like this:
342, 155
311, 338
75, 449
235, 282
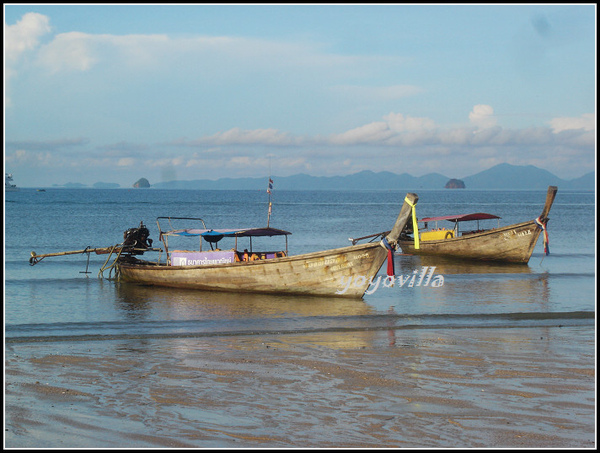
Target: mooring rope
112, 265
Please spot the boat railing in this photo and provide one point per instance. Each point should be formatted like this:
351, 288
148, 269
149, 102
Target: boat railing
177, 218
162, 235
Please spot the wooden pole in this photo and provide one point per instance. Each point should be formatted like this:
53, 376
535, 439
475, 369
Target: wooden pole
549, 200
405, 213
35, 258
269, 188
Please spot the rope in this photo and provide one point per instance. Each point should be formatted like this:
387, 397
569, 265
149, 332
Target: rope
543, 226
390, 258
112, 266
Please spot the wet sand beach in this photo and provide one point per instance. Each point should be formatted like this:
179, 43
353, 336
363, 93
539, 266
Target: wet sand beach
528, 387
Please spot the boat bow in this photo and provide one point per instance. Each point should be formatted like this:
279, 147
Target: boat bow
406, 212
550, 195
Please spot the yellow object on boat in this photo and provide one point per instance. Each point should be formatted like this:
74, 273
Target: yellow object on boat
437, 235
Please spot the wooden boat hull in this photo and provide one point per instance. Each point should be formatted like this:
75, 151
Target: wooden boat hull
511, 244
343, 272
320, 273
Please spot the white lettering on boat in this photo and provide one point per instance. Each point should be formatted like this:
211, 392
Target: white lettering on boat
425, 278
509, 234
337, 262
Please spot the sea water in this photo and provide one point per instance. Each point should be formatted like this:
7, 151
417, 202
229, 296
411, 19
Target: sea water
64, 297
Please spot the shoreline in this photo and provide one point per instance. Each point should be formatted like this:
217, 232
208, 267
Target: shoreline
531, 387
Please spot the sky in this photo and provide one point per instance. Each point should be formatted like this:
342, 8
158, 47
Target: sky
114, 93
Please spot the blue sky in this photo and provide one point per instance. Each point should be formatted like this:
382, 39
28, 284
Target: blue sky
114, 93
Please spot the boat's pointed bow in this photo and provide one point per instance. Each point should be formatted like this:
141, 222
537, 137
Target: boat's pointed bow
551, 194
405, 214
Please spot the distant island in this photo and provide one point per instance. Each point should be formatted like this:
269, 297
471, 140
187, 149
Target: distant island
141, 183
106, 185
455, 184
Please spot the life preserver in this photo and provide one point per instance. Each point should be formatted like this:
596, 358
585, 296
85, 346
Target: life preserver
449, 235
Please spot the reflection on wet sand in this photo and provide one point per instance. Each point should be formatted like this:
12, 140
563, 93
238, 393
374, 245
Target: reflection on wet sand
516, 292
192, 304
478, 284
473, 388
258, 312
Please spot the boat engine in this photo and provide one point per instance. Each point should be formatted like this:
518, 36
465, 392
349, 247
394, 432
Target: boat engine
137, 238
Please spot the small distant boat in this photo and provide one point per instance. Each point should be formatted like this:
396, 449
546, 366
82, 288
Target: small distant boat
8, 185
511, 244
319, 273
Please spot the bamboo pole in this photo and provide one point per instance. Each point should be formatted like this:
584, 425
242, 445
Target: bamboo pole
35, 258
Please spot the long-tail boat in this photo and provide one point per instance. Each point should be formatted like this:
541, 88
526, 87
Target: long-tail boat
319, 273
511, 244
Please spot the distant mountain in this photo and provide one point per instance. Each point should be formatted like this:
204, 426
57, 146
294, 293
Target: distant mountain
585, 182
71, 185
363, 180
106, 185
502, 176
506, 176
525, 177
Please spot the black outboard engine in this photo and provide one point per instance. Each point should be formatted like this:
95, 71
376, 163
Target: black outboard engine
136, 238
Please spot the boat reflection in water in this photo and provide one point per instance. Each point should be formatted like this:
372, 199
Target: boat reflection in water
476, 287
449, 266
184, 313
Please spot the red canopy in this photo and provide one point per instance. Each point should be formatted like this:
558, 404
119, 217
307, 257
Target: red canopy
461, 217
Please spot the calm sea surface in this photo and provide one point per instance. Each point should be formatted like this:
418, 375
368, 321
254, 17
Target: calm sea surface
54, 300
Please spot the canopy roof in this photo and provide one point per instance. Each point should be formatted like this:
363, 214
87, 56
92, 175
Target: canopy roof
461, 217
226, 232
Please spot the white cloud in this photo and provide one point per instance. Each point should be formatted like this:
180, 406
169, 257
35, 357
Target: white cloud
126, 162
210, 54
586, 122
24, 35
68, 51
482, 116
75, 51
370, 133
20, 38
237, 136
397, 122
29, 159
395, 129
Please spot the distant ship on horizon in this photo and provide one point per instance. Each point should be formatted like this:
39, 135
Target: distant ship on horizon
8, 185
